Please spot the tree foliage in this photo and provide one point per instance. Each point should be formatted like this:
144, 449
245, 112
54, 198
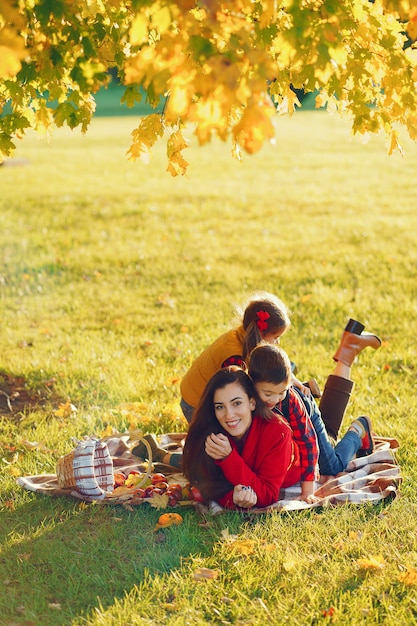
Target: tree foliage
224, 67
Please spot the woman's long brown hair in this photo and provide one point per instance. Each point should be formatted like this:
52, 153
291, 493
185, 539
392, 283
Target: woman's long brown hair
198, 467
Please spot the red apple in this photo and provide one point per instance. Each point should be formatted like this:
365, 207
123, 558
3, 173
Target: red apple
196, 494
119, 479
158, 478
162, 485
172, 499
176, 488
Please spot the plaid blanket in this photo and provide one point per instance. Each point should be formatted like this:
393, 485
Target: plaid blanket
374, 478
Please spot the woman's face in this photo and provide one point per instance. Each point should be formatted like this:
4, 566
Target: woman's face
233, 409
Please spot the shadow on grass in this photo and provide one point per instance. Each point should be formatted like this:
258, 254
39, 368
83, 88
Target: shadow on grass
65, 558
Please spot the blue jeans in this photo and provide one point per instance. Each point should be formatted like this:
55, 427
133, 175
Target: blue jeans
187, 409
332, 460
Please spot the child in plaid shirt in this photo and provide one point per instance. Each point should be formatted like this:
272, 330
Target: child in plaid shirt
268, 368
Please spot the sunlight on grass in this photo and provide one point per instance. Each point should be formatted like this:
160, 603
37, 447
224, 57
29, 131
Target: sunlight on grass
113, 277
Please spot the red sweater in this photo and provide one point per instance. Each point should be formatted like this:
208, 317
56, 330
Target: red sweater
268, 461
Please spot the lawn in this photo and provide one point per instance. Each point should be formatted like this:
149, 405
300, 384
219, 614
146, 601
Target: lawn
113, 277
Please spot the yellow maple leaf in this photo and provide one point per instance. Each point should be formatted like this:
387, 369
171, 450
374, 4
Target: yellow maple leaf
150, 129
176, 162
372, 562
158, 501
254, 127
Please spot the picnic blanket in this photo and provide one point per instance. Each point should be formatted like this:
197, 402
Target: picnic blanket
373, 478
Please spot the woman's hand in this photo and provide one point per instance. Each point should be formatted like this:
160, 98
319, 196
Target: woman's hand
218, 447
244, 496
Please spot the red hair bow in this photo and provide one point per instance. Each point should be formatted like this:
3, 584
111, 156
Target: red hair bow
261, 323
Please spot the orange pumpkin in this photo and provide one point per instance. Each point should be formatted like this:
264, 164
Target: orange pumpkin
169, 519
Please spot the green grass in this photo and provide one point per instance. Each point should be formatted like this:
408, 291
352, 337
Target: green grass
113, 277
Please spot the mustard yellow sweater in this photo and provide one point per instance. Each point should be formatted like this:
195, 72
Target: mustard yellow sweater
206, 365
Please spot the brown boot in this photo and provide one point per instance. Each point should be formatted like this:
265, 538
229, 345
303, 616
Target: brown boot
352, 344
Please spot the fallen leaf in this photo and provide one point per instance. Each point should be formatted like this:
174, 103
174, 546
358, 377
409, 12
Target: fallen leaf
373, 562
171, 606
269, 547
328, 612
158, 501
65, 410
409, 577
225, 534
243, 546
55, 605
290, 563
204, 573
108, 431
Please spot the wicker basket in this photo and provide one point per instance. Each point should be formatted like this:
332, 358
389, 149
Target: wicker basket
89, 469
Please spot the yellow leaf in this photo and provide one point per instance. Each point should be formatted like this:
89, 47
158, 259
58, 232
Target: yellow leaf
254, 127
412, 24
338, 54
178, 103
171, 606
108, 431
158, 501
394, 144
290, 563
373, 562
204, 573
145, 135
13, 471
9, 63
162, 19
409, 577
65, 410
243, 546
269, 547
139, 30
176, 162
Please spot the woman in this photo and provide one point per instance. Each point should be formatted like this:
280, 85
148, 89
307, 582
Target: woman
237, 453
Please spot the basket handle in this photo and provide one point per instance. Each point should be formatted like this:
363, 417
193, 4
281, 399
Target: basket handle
148, 473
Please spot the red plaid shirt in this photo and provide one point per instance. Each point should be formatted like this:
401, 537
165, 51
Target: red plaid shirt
294, 411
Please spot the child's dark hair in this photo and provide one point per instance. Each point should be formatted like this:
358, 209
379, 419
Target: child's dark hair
269, 364
264, 314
